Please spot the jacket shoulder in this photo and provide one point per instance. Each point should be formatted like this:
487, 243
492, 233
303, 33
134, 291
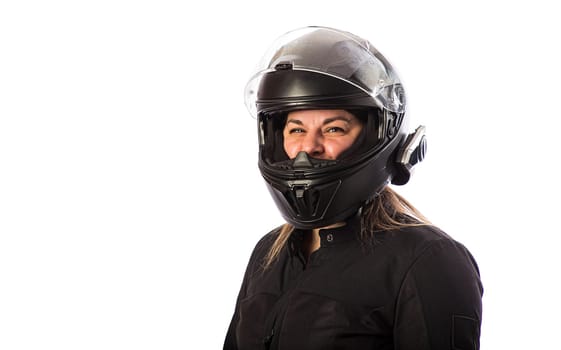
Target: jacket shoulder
267, 240
415, 241
416, 237
261, 249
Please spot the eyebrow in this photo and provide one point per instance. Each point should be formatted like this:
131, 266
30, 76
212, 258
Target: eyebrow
325, 122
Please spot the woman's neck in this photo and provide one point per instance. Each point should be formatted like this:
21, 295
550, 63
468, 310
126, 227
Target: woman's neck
312, 240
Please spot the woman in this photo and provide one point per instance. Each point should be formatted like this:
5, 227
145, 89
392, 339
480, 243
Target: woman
356, 266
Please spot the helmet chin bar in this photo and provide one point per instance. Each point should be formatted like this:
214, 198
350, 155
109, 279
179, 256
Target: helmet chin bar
304, 205
305, 198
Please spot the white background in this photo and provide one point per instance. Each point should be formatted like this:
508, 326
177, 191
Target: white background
130, 198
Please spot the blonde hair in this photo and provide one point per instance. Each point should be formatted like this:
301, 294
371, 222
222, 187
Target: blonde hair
387, 211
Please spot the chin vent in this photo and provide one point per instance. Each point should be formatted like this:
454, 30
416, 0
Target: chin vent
311, 203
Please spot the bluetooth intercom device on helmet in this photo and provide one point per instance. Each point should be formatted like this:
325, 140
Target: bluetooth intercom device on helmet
326, 68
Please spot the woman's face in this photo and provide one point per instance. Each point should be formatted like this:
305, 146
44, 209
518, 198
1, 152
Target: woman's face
321, 133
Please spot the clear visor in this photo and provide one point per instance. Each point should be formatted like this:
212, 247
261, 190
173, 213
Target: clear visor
335, 53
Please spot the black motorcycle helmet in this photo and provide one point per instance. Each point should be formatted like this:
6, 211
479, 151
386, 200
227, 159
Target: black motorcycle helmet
325, 68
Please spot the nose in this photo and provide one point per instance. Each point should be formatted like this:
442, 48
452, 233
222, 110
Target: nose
313, 145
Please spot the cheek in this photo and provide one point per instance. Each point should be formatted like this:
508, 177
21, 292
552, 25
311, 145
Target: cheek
289, 148
335, 148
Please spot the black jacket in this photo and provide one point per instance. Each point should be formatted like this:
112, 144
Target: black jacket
414, 288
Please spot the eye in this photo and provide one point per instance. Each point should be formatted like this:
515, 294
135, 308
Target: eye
334, 129
295, 131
